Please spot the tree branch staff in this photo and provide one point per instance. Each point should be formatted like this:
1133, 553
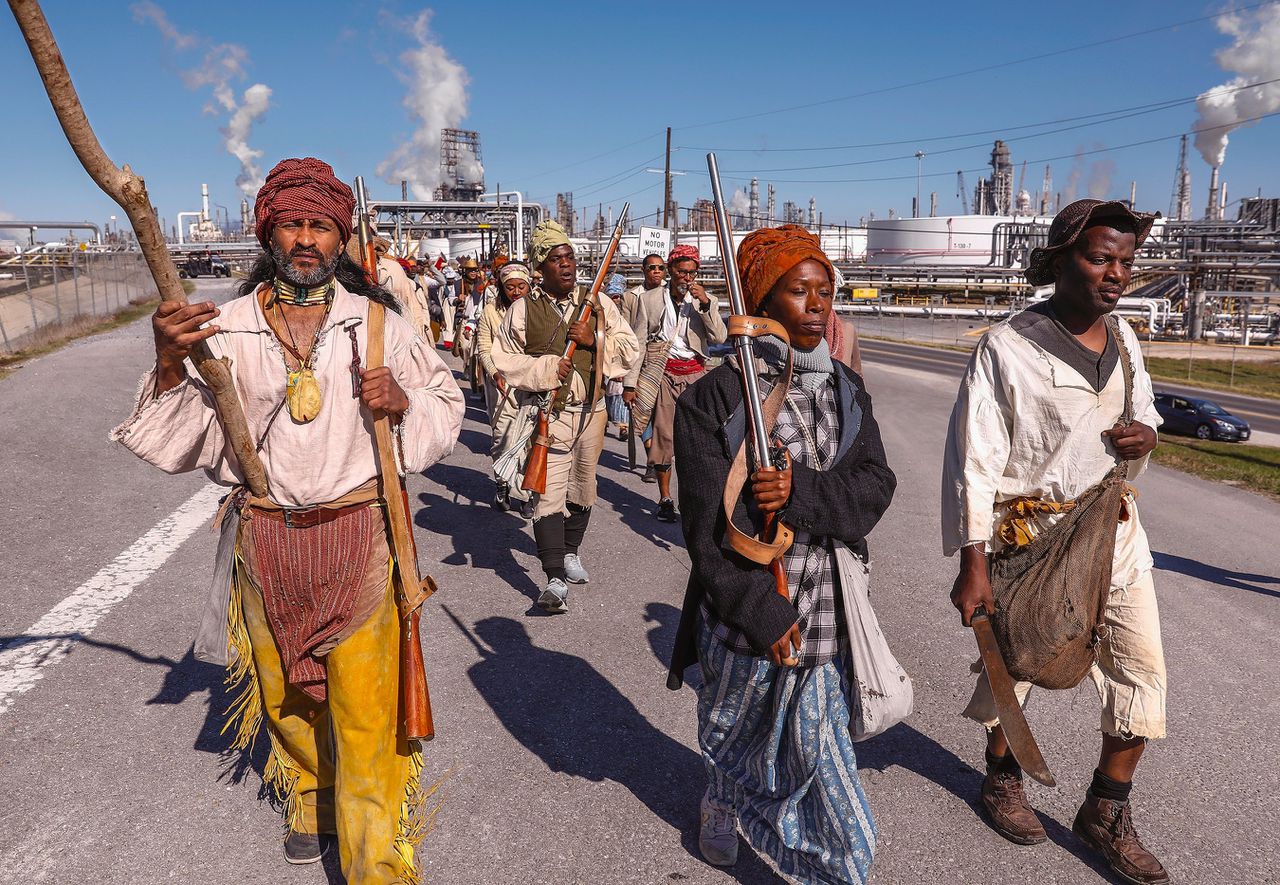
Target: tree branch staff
310, 616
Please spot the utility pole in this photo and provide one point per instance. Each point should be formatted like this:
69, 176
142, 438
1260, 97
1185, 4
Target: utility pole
666, 199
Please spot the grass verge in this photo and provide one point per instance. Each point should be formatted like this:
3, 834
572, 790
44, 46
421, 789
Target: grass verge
49, 338
1252, 378
1256, 468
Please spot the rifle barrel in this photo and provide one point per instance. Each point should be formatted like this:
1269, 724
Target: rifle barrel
738, 306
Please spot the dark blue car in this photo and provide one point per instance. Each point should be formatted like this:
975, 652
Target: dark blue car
1200, 418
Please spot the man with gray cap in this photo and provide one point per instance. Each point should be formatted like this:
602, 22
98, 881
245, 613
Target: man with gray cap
1054, 399
527, 351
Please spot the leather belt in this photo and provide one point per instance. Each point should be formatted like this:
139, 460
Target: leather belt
308, 517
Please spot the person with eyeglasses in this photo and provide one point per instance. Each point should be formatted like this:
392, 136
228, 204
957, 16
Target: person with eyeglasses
679, 322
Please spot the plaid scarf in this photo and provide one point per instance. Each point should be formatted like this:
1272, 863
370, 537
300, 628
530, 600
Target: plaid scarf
809, 428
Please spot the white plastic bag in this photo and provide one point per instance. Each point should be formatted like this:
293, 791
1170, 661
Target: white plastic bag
881, 693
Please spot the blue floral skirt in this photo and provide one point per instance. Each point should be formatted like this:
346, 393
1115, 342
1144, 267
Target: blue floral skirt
776, 744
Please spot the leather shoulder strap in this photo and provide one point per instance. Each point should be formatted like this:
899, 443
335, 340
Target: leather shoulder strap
377, 326
1126, 366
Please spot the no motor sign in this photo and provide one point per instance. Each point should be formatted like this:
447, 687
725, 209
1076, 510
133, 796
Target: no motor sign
655, 240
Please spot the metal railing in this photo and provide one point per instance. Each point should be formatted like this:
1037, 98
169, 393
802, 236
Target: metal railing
43, 289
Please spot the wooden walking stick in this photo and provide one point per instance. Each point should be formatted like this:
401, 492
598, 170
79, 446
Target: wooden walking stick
130, 192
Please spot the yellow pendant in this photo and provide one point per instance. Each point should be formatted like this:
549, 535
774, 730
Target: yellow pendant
302, 391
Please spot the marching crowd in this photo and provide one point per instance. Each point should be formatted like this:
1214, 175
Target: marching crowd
1055, 404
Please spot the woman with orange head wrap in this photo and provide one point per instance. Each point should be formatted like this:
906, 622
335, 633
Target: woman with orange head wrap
774, 720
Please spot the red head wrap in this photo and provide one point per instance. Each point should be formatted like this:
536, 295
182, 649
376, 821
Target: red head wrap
298, 189
765, 255
682, 253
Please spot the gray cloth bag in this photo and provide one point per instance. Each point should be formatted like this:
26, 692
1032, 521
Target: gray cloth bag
210, 643
881, 694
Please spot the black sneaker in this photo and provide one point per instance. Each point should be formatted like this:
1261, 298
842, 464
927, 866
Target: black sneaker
500, 499
667, 510
302, 848
650, 475
526, 508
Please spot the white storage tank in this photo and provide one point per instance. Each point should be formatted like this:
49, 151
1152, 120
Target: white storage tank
962, 240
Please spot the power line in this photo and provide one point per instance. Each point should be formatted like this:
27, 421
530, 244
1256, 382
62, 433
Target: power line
981, 169
978, 70
1143, 108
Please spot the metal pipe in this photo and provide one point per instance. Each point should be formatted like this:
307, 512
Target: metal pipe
33, 226
181, 238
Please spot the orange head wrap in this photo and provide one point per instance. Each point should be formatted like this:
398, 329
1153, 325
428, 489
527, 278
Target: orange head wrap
765, 255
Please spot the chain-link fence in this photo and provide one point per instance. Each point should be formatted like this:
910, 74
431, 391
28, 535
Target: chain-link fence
45, 293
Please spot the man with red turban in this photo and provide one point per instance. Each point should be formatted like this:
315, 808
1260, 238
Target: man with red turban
678, 321
301, 595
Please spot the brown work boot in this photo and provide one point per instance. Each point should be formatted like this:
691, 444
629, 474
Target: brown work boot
1007, 807
1106, 826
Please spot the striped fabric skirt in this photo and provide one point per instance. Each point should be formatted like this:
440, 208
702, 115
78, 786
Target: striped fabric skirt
776, 744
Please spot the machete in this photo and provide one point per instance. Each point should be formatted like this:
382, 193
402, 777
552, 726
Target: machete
1012, 720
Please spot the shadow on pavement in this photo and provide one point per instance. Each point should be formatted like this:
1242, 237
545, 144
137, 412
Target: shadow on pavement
482, 537
563, 711
636, 511
1216, 575
915, 751
662, 638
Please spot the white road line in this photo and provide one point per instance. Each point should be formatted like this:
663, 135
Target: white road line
23, 659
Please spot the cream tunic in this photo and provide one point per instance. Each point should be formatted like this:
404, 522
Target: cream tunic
538, 373
312, 463
1027, 424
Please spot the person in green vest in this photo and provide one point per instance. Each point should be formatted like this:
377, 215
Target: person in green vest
527, 351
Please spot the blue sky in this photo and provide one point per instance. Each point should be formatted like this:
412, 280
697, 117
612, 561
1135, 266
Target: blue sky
576, 97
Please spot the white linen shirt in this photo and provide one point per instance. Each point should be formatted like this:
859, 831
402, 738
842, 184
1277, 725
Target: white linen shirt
312, 463
1027, 424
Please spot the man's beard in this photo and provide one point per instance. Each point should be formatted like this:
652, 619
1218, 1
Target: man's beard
321, 273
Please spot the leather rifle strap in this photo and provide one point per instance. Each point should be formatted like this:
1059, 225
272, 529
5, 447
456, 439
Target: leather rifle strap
749, 546
413, 590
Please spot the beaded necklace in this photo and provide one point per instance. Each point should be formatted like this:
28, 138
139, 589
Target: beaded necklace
301, 296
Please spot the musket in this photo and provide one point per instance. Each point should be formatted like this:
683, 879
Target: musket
535, 468
411, 589
130, 192
777, 537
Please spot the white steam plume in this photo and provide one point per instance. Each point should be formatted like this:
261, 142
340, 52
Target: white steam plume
148, 11
739, 203
223, 65
435, 97
1254, 56
1100, 174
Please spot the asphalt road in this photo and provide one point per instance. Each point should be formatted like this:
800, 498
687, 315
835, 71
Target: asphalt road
1262, 414
561, 756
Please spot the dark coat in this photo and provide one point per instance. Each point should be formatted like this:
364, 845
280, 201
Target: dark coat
844, 502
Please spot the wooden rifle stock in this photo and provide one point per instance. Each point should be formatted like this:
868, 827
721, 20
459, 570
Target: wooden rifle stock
535, 466
415, 698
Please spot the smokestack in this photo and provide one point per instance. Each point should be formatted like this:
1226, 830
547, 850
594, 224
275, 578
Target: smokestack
246, 224
1211, 210
753, 205
773, 206
1133, 194
813, 211
1222, 202
933, 204
204, 202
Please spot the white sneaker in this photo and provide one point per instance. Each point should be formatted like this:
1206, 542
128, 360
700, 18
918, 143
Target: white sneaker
718, 835
573, 569
555, 598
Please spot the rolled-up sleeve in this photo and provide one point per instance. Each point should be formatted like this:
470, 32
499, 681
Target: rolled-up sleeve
429, 430
977, 451
176, 431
